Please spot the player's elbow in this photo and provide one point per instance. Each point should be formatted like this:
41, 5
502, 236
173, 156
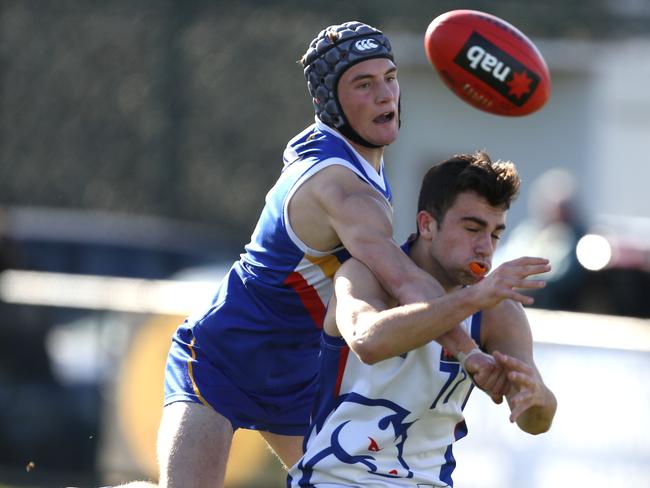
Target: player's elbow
538, 421
536, 429
366, 351
370, 349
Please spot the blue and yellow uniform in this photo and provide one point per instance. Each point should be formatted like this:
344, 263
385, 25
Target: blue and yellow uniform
253, 354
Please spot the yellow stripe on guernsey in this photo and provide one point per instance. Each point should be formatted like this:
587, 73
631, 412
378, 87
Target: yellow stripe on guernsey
318, 272
191, 373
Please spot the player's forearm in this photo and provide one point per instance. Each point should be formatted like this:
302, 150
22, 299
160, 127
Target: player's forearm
456, 340
396, 272
381, 335
410, 284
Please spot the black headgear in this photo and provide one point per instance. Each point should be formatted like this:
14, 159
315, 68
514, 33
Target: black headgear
336, 49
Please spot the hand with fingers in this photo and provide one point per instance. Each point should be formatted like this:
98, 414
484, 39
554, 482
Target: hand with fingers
532, 405
487, 374
503, 282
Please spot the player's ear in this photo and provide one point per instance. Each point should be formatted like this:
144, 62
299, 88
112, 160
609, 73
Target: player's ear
427, 225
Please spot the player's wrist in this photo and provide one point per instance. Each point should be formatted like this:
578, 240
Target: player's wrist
464, 356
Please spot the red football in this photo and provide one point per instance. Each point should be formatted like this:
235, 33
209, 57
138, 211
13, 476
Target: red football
487, 62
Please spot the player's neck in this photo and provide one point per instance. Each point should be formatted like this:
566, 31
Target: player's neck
373, 155
421, 256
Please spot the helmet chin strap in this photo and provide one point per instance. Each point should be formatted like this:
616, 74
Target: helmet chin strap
347, 130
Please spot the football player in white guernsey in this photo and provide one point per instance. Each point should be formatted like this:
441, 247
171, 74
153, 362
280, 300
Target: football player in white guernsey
332, 200
388, 413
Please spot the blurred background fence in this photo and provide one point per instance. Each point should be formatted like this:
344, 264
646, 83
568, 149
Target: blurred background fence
182, 109
138, 139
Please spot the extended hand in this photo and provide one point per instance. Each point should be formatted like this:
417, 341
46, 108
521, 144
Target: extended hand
528, 391
503, 282
487, 374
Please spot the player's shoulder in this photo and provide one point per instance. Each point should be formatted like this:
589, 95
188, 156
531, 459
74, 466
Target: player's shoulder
506, 314
339, 174
507, 307
318, 142
359, 281
335, 181
356, 271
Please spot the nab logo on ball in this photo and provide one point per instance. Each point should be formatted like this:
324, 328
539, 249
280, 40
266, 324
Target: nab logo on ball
498, 69
366, 45
488, 62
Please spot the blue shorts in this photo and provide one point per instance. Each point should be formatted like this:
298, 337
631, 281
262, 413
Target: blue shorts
191, 377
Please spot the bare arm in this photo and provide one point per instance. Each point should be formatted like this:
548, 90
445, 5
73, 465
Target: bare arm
375, 327
362, 220
506, 330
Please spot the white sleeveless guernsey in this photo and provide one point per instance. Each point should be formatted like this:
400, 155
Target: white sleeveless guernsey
391, 424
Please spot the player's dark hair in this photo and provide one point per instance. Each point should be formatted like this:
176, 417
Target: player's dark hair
498, 182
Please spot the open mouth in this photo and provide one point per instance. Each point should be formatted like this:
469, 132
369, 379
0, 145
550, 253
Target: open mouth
384, 118
478, 268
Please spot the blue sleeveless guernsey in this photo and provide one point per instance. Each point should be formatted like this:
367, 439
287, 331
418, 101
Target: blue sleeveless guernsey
253, 355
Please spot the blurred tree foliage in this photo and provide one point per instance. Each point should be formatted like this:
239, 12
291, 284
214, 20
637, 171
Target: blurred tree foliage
182, 109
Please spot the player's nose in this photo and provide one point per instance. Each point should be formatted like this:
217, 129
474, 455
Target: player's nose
484, 245
384, 93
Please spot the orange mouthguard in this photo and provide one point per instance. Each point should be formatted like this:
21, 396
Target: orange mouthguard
477, 268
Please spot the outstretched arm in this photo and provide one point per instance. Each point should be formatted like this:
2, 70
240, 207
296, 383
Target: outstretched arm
377, 327
372, 322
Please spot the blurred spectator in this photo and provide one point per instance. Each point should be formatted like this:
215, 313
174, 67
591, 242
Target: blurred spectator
553, 228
